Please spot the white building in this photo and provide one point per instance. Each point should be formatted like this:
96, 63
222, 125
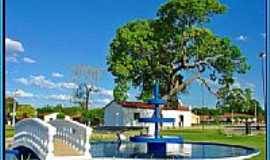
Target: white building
53, 116
128, 113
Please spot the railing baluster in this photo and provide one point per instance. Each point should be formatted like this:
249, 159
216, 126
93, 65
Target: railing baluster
38, 135
74, 134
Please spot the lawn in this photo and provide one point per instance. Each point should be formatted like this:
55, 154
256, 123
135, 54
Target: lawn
215, 135
207, 135
9, 131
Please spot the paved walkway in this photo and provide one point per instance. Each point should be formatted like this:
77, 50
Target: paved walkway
8, 142
62, 149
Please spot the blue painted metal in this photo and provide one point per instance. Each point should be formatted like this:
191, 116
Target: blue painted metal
267, 75
157, 101
158, 149
14, 152
155, 120
2, 59
167, 139
157, 145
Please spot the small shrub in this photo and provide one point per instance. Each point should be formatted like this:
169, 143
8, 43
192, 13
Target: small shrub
60, 115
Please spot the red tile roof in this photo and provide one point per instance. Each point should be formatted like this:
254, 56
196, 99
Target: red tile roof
142, 105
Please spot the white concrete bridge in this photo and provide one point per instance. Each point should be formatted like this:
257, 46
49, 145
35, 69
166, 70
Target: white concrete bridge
56, 140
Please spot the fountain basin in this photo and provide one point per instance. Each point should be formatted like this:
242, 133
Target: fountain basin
184, 151
107, 150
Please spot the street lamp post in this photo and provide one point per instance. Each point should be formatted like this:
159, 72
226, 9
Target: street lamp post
262, 56
14, 109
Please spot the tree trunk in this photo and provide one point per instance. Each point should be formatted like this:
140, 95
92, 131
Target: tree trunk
87, 99
173, 102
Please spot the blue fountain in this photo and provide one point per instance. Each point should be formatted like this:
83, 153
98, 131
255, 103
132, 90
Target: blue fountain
157, 144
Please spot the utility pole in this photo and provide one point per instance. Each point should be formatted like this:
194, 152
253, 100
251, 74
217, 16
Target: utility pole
255, 113
203, 104
14, 109
262, 56
232, 118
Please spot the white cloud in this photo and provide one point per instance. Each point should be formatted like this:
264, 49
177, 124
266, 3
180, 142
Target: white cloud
28, 60
42, 82
11, 59
105, 92
13, 46
39, 81
20, 93
57, 75
60, 97
102, 101
263, 35
22, 80
67, 85
241, 38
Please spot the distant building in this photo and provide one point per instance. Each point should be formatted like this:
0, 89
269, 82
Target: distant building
228, 117
127, 114
53, 116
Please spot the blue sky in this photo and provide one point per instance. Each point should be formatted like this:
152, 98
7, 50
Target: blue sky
45, 39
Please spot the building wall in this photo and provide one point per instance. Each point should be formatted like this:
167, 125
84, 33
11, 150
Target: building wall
177, 114
195, 119
53, 116
129, 119
49, 117
116, 115
113, 115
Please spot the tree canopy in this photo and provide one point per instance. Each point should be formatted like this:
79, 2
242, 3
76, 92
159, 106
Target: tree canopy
238, 100
95, 116
25, 111
176, 48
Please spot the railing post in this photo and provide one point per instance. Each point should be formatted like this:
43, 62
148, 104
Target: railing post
87, 141
75, 134
36, 134
51, 134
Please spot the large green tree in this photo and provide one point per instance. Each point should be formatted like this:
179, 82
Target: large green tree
238, 100
176, 48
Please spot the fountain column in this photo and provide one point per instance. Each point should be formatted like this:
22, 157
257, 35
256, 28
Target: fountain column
156, 145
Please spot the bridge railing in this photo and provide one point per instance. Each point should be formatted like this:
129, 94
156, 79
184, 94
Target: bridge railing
37, 135
73, 133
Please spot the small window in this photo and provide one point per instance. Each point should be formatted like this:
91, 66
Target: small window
136, 116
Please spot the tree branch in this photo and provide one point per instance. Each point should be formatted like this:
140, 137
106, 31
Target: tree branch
198, 63
207, 86
179, 87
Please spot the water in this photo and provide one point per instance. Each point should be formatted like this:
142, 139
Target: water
174, 151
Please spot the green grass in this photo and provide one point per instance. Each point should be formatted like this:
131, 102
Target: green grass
9, 131
215, 135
